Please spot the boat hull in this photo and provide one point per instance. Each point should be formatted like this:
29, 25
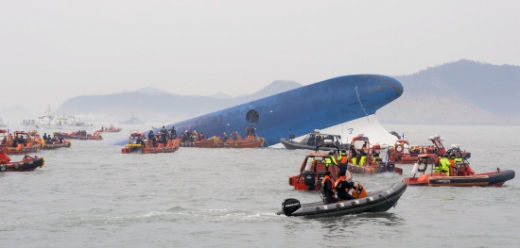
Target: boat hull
27, 164
497, 178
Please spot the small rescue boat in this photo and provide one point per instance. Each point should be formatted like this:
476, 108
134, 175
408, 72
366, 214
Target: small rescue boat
403, 153
28, 163
110, 129
19, 142
137, 143
463, 176
80, 135
312, 171
326, 142
376, 201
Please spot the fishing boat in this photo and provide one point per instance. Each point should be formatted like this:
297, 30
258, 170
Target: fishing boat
137, 143
28, 163
461, 175
376, 201
344, 105
110, 129
403, 153
19, 142
326, 142
79, 135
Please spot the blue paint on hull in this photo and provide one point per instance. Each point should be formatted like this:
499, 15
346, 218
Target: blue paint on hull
300, 111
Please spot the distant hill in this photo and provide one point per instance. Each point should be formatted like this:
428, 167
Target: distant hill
461, 92
150, 104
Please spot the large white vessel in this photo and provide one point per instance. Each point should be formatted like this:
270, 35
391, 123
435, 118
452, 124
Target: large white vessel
52, 121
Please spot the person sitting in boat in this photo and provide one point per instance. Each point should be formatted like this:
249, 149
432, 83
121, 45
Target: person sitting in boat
342, 161
329, 161
327, 188
151, 137
224, 137
343, 186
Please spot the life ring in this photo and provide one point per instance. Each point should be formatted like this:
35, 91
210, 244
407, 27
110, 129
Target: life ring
16, 166
3, 167
399, 148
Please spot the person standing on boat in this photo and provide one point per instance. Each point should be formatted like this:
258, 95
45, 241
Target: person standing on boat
353, 154
151, 137
343, 162
327, 188
444, 165
363, 152
329, 161
173, 133
224, 137
343, 186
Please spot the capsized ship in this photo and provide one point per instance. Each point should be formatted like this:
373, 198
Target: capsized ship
344, 105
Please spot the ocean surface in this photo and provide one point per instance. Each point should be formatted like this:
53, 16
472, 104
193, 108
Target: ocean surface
91, 195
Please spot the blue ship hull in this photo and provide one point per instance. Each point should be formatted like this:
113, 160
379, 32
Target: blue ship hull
302, 110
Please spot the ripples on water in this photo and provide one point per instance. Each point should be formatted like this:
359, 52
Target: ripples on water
92, 196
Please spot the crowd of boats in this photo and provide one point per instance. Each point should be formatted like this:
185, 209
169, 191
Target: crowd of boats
329, 163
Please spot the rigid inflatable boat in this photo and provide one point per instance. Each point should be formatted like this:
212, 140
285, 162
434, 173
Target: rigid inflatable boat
376, 201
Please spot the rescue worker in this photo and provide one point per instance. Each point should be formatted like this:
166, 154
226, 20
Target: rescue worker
329, 161
327, 188
457, 161
164, 132
151, 137
353, 154
342, 161
224, 137
444, 165
343, 186
173, 133
45, 137
363, 152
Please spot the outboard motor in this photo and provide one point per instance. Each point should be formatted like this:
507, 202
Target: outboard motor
290, 205
321, 175
390, 167
309, 179
381, 168
467, 155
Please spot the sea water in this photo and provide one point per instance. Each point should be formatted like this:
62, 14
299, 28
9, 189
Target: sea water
91, 195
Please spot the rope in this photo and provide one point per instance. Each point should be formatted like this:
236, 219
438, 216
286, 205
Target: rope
361, 104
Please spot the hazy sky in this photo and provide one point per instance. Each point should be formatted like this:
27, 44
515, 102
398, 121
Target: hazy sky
51, 51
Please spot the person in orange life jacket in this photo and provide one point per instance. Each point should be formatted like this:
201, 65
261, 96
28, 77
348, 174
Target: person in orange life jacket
328, 188
329, 161
4, 159
343, 161
343, 186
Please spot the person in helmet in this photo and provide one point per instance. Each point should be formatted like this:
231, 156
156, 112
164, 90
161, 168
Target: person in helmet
342, 161
444, 165
327, 188
329, 161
